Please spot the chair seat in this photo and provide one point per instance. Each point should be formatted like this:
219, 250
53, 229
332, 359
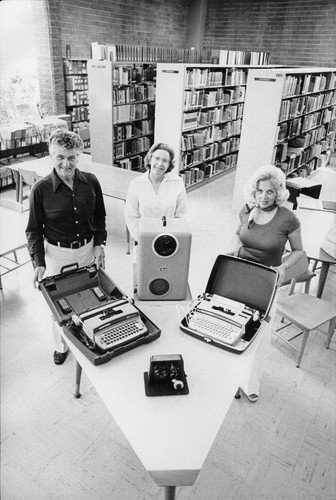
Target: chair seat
306, 311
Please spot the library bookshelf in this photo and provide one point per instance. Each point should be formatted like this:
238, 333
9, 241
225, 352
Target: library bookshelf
122, 109
289, 121
199, 110
76, 92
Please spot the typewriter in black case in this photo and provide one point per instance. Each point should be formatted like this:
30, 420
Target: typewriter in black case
237, 299
95, 314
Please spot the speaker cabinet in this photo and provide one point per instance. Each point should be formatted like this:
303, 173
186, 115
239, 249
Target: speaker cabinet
163, 255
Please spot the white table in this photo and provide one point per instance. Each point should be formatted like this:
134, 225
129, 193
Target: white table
171, 435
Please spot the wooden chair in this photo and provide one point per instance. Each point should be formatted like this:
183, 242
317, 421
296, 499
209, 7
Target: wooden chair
28, 177
84, 134
306, 312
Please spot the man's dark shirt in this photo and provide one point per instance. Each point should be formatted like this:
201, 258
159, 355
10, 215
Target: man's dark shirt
60, 214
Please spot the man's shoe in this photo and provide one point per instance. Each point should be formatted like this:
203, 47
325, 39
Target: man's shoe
60, 357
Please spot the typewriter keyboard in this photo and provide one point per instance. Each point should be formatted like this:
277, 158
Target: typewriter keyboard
120, 334
215, 329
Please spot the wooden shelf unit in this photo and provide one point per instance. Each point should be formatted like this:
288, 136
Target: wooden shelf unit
76, 92
289, 121
199, 109
122, 110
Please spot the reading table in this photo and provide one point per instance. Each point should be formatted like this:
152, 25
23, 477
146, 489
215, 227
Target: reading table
171, 435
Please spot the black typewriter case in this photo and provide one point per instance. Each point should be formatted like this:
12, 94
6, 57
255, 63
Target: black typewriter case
75, 284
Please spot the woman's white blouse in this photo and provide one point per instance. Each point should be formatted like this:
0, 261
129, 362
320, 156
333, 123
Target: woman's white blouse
142, 201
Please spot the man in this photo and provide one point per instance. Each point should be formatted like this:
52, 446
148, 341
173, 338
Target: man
66, 219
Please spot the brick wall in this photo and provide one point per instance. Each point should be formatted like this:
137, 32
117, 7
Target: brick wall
295, 32
79, 22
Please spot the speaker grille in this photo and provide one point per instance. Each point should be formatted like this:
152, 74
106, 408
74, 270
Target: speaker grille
159, 286
165, 245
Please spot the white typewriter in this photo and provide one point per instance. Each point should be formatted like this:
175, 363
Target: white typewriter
219, 319
112, 325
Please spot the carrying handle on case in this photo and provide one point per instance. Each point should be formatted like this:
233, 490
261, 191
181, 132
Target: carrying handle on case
70, 268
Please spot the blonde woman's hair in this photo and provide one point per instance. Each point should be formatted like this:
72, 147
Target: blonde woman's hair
268, 173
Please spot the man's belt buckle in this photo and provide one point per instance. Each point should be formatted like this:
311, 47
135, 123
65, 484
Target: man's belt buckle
76, 244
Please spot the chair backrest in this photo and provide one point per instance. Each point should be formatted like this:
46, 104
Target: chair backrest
28, 176
84, 133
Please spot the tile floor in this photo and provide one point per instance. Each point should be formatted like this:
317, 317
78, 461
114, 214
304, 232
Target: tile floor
55, 447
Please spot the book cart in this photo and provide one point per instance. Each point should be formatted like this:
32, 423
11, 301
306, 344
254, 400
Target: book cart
289, 121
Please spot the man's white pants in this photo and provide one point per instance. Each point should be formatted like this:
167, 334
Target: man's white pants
56, 258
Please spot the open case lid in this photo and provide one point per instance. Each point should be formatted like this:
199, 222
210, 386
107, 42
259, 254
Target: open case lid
243, 281
72, 282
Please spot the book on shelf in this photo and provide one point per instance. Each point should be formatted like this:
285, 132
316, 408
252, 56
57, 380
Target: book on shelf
98, 51
190, 120
111, 52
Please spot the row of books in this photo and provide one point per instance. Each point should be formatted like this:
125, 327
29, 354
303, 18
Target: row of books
76, 82
80, 113
192, 175
310, 82
295, 127
134, 163
301, 142
131, 130
296, 161
125, 52
299, 105
19, 142
134, 73
76, 98
74, 67
209, 152
193, 141
241, 57
210, 134
132, 147
125, 95
210, 77
205, 98
131, 112
210, 117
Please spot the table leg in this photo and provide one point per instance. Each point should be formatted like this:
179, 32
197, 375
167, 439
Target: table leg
128, 238
322, 279
78, 380
169, 492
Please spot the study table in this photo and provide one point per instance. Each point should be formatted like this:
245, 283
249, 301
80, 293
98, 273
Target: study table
171, 435
114, 181
314, 226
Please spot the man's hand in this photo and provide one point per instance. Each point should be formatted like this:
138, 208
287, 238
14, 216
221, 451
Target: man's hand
38, 275
99, 256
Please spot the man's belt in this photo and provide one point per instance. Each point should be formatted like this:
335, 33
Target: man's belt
71, 244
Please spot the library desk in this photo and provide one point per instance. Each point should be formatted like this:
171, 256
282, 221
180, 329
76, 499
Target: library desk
114, 181
171, 435
314, 226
